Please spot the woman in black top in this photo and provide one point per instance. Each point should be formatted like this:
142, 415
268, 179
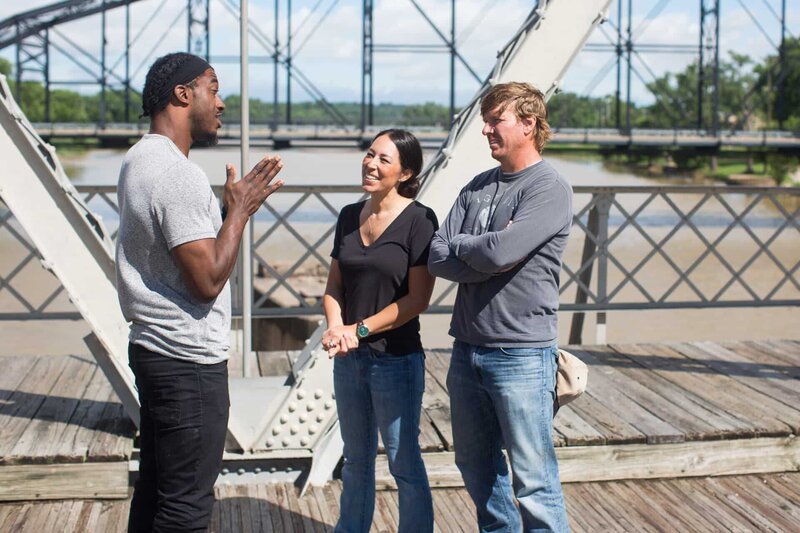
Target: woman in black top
377, 287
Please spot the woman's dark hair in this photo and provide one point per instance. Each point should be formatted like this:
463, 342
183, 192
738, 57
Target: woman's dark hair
410, 159
156, 93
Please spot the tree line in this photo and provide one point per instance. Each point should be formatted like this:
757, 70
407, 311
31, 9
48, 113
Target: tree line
747, 95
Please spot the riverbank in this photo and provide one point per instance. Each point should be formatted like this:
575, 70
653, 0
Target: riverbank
729, 167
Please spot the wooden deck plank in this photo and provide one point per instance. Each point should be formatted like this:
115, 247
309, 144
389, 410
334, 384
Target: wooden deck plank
631, 507
720, 391
605, 420
280, 514
678, 415
699, 504
596, 496
327, 515
437, 363
74, 443
382, 518
26, 400
759, 499
722, 424
788, 350
667, 502
53, 415
436, 407
605, 386
114, 431
740, 398
59, 481
574, 429
719, 508
776, 366
765, 381
771, 366
735, 500
14, 371
17, 521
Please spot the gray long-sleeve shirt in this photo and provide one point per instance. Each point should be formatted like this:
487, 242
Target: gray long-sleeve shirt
508, 275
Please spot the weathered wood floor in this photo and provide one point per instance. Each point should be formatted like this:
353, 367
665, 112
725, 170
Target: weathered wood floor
651, 411
737, 503
62, 426
650, 394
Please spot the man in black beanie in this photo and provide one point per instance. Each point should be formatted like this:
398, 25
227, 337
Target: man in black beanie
174, 257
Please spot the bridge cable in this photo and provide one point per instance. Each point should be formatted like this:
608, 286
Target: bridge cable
141, 32
296, 31
158, 43
304, 81
315, 28
446, 41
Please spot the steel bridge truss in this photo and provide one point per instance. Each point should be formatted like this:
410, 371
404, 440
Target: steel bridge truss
36, 34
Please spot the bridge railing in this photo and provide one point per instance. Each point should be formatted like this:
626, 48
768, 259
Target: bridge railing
631, 248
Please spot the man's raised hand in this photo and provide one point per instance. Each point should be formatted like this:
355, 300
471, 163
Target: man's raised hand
244, 197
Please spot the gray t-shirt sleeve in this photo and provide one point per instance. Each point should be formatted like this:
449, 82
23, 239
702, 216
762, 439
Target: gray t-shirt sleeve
441, 260
543, 211
181, 205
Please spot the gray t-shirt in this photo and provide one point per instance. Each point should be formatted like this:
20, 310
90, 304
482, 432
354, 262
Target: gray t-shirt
508, 275
165, 200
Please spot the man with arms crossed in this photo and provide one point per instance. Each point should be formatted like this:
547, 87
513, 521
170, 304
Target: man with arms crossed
174, 257
503, 241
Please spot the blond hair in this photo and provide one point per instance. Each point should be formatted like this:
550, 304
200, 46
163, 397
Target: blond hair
527, 101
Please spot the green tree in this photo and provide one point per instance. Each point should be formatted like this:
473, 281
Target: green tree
773, 75
5, 67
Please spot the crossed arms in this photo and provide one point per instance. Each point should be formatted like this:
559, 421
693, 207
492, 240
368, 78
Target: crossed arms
541, 213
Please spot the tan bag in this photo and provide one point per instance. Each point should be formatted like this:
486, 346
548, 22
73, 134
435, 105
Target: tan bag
571, 377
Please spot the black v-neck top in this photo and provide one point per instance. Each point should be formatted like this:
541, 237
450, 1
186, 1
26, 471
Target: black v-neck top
376, 275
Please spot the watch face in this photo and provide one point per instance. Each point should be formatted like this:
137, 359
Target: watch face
362, 331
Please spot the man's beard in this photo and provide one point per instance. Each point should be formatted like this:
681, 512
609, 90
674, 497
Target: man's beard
203, 138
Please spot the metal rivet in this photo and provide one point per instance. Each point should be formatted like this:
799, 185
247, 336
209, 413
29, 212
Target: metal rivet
272, 469
301, 394
303, 417
225, 471
312, 430
240, 471
320, 417
257, 470
292, 407
294, 430
276, 430
328, 404
318, 394
270, 443
284, 419
304, 441
311, 406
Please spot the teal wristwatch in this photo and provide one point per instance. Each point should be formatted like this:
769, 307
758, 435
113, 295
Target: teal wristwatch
362, 331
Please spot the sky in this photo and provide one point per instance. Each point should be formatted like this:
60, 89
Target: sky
327, 41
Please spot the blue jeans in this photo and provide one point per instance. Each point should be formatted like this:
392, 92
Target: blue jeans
377, 391
506, 396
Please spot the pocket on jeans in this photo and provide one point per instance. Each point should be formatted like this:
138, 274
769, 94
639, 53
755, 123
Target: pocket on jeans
166, 415
521, 352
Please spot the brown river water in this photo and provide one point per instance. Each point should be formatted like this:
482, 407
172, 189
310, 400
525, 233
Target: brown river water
341, 166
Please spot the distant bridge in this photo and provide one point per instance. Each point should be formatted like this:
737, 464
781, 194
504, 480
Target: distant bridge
300, 135
43, 37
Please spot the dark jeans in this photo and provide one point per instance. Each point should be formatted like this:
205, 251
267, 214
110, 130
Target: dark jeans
184, 421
